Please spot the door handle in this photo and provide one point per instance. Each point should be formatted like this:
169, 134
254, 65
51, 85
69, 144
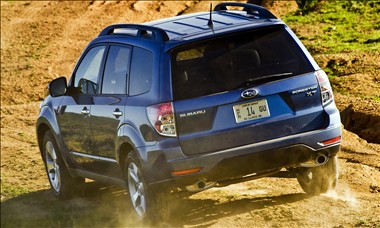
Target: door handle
85, 111
117, 113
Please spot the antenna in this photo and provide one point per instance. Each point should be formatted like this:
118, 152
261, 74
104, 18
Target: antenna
210, 23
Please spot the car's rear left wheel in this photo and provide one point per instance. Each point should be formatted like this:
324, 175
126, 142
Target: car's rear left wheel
137, 189
150, 205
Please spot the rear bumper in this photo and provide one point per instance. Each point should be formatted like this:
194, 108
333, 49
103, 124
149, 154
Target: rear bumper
236, 162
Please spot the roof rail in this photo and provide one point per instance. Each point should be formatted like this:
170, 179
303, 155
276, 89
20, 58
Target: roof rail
249, 8
141, 31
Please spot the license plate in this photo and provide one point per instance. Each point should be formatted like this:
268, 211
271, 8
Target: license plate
250, 111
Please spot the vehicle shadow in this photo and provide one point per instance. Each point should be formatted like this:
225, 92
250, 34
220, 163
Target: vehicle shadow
99, 206
193, 212
107, 206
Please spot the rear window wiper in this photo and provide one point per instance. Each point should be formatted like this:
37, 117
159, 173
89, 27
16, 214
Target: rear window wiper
250, 81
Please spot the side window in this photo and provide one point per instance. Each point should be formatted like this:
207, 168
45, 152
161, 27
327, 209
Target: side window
87, 74
116, 70
141, 71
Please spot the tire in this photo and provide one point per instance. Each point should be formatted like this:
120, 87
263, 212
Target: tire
149, 205
62, 184
318, 180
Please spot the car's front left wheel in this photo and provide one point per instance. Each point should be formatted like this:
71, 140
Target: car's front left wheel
62, 184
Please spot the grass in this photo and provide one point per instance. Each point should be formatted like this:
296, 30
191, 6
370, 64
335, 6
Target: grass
376, 98
344, 38
9, 190
340, 26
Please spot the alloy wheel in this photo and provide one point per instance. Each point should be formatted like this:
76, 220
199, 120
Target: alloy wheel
136, 189
52, 166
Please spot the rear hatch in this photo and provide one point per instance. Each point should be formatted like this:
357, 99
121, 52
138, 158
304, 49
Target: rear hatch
242, 89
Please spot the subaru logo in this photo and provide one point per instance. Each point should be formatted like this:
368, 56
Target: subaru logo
249, 93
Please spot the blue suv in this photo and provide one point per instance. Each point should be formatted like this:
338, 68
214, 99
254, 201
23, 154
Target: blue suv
188, 103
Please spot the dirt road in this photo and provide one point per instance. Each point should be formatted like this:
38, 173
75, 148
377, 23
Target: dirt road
42, 40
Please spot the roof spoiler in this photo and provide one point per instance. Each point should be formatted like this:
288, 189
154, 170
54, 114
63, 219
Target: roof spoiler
137, 30
249, 8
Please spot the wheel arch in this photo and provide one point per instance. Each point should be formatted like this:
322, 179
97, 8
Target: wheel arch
41, 131
47, 121
129, 139
124, 150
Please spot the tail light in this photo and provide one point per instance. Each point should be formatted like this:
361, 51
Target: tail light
324, 85
161, 116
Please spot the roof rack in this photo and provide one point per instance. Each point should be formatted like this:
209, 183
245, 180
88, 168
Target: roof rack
139, 31
249, 8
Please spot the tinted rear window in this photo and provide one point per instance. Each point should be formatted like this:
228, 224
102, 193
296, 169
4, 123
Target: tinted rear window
236, 61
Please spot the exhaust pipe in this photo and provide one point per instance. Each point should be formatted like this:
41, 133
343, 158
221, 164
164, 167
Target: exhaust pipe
200, 185
321, 159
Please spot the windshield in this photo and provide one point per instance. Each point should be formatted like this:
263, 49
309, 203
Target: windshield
236, 61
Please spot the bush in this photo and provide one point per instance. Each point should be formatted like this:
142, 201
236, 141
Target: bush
306, 6
361, 6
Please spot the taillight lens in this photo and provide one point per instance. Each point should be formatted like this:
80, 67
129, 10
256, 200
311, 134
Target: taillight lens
324, 85
161, 116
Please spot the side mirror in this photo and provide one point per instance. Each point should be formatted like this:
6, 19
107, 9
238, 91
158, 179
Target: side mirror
58, 87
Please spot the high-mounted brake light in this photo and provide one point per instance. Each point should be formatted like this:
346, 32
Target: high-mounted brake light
161, 116
324, 85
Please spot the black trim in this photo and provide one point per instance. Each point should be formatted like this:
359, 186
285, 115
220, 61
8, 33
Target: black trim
97, 177
260, 164
251, 9
158, 34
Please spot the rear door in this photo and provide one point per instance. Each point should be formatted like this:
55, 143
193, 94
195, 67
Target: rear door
243, 89
127, 75
107, 112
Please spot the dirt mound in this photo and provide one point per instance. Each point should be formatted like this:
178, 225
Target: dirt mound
354, 63
357, 78
42, 40
366, 125
358, 150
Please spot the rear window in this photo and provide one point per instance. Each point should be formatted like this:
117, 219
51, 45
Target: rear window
236, 61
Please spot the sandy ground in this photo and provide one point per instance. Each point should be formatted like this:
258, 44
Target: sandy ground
42, 40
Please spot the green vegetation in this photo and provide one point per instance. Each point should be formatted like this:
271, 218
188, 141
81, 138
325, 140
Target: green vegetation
376, 98
9, 190
344, 38
338, 26
306, 6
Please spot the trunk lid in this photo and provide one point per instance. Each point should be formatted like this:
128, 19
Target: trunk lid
208, 124
243, 88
